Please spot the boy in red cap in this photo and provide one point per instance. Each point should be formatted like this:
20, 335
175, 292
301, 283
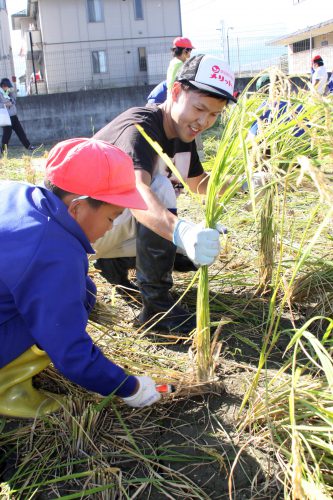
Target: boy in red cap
319, 75
45, 291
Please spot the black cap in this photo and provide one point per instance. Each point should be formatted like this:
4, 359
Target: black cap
6, 82
209, 73
263, 81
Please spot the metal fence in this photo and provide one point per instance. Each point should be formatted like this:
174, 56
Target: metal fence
142, 62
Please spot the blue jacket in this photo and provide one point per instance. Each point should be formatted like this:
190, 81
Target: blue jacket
45, 292
159, 94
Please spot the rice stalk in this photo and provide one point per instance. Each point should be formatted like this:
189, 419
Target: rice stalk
202, 337
289, 167
267, 241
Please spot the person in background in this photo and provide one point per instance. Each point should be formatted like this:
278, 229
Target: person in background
269, 110
330, 84
45, 292
181, 50
159, 94
8, 99
155, 242
319, 75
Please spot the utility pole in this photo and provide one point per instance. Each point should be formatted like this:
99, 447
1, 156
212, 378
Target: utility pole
33, 60
229, 28
239, 70
222, 36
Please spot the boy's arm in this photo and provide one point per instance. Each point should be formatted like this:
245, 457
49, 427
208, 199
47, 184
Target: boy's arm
52, 301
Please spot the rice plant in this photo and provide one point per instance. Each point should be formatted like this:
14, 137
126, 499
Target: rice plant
297, 409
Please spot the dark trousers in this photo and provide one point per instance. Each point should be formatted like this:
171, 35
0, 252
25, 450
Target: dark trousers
18, 129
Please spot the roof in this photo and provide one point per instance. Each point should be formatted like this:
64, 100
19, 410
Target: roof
310, 31
16, 19
21, 13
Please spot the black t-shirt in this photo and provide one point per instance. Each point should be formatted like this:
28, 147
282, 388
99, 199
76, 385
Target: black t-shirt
122, 133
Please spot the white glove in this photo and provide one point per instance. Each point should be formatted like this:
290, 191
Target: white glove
259, 179
201, 245
146, 395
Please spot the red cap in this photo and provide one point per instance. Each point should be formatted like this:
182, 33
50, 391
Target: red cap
94, 168
317, 58
182, 42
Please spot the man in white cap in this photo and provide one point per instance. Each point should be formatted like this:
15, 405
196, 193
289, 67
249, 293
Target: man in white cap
149, 241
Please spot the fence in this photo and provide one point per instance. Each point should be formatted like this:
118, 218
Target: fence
145, 61
107, 64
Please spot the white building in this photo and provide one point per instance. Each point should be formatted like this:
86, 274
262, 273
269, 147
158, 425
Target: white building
6, 53
81, 44
311, 35
306, 43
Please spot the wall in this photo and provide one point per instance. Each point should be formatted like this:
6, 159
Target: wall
69, 39
53, 117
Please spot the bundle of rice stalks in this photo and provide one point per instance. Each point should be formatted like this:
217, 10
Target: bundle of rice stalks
314, 283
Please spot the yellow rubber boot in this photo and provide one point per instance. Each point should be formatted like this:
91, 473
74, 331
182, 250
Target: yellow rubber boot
18, 397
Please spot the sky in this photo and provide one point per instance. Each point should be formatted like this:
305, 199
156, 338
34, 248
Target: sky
203, 17
273, 17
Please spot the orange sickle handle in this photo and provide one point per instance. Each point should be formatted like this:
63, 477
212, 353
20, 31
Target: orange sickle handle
165, 388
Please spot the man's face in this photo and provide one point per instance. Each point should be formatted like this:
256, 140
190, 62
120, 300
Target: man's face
192, 113
94, 222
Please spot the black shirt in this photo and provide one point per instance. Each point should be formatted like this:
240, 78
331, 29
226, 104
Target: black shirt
122, 133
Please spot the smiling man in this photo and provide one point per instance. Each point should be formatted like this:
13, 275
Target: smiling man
149, 241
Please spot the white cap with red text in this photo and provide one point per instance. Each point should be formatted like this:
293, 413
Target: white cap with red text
209, 73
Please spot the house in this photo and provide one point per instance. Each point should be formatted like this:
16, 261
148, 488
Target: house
306, 43
6, 53
73, 45
310, 33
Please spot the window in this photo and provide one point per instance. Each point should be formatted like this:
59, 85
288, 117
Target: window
138, 10
95, 11
142, 58
3, 4
301, 46
99, 61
